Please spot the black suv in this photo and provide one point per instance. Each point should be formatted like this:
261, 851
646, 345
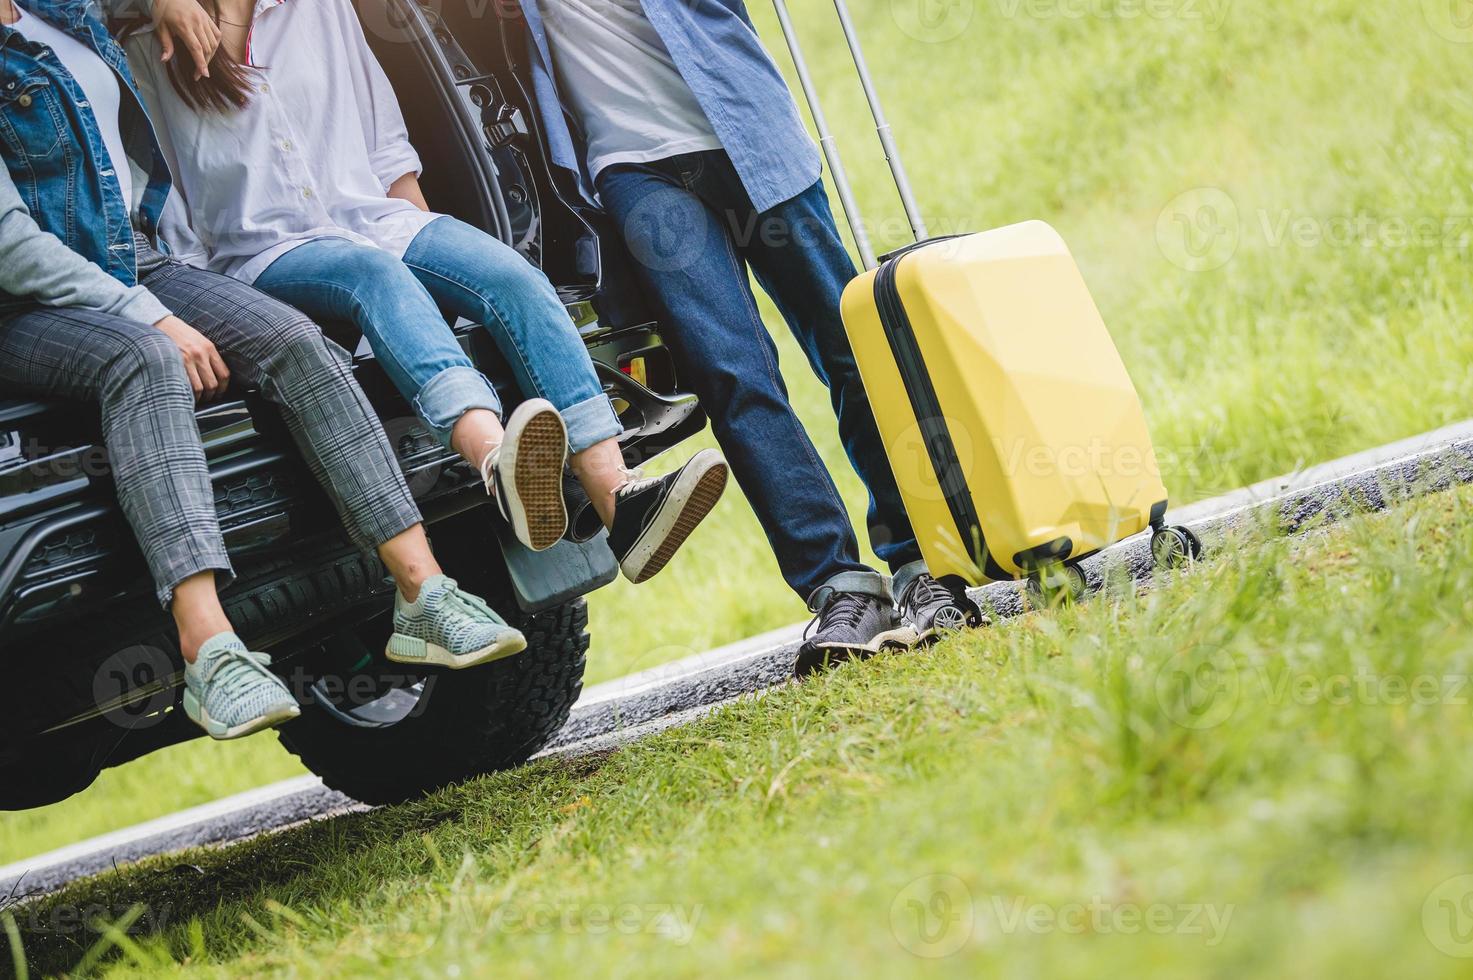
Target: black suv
92, 666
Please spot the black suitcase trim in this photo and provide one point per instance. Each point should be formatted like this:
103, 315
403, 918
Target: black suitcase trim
927, 407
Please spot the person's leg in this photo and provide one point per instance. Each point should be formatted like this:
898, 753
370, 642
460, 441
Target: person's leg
136, 374
799, 258
800, 261
279, 350
690, 266
473, 275
269, 344
335, 279
522, 464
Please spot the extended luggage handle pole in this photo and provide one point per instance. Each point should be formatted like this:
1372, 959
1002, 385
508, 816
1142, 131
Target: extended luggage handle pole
826, 139
882, 128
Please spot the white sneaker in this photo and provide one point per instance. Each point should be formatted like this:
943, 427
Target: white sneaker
525, 474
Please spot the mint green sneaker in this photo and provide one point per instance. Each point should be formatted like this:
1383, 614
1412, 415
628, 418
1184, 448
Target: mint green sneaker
230, 692
446, 627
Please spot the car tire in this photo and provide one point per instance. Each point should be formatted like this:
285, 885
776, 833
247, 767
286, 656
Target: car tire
466, 723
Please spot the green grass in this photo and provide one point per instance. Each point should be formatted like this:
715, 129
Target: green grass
1301, 346
1257, 770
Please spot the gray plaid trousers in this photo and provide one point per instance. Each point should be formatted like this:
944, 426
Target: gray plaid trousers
158, 462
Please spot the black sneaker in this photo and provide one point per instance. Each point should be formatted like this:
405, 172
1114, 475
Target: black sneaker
652, 518
935, 607
851, 626
525, 474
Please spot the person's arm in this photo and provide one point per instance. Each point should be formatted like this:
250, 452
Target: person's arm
407, 188
390, 153
35, 264
182, 23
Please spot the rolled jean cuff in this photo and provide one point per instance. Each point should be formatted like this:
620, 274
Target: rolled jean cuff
866, 583
590, 422
906, 574
449, 395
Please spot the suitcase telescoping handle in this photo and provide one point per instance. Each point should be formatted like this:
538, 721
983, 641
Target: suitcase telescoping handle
826, 138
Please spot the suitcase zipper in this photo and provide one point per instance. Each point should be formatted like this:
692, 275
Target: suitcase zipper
927, 407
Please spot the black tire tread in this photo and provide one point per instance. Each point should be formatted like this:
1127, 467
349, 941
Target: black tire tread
483, 719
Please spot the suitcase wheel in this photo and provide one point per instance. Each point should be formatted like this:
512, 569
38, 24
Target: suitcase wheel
1059, 583
1175, 546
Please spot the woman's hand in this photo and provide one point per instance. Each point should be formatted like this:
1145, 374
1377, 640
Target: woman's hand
207, 372
195, 29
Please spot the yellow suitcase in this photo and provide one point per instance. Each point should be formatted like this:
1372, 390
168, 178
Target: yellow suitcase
1016, 436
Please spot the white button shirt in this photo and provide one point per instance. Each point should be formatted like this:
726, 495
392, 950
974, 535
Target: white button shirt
311, 157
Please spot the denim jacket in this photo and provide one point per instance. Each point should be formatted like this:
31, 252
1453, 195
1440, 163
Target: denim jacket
58, 177
718, 53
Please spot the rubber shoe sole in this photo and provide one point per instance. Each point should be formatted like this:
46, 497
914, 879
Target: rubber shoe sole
815, 657
224, 733
699, 488
404, 649
533, 453
900, 638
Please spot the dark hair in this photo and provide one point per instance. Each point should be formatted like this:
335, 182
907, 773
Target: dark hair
227, 87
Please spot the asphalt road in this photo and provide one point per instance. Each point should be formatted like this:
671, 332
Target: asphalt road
621, 711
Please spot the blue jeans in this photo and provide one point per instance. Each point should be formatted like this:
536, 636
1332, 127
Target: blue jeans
451, 268
693, 233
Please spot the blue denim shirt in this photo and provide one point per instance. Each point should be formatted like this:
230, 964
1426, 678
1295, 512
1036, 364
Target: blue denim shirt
53, 148
716, 49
